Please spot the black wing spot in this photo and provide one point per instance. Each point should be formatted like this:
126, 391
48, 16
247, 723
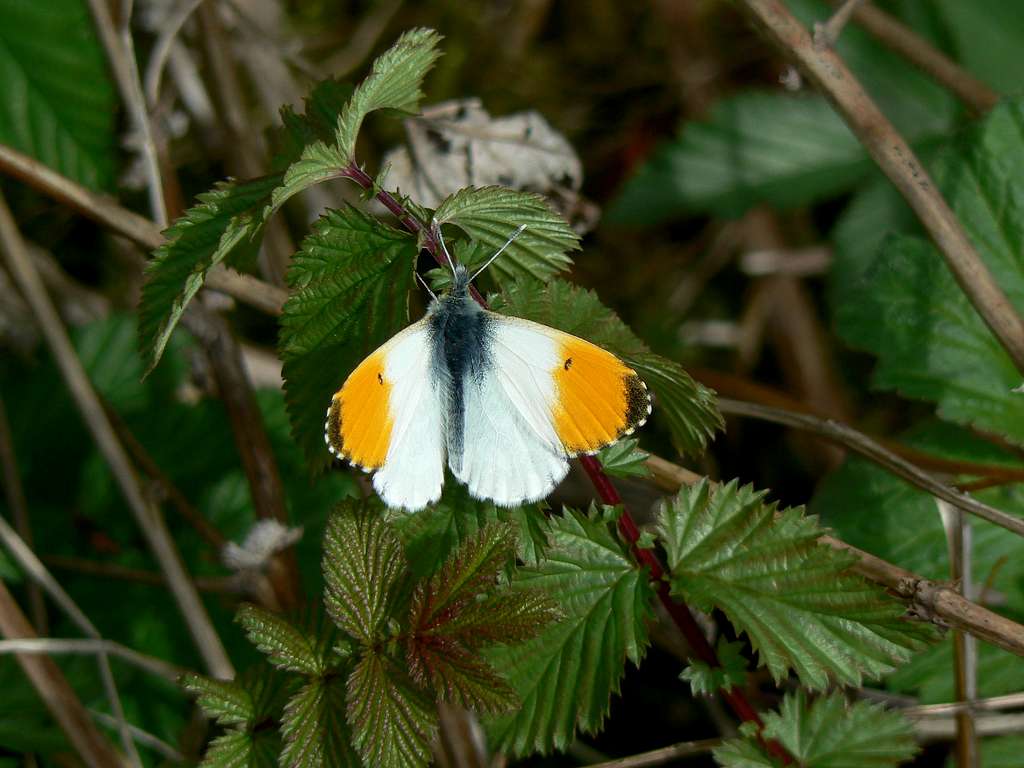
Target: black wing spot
380, 378
568, 363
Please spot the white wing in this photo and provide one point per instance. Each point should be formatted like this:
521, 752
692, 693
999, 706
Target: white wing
511, 453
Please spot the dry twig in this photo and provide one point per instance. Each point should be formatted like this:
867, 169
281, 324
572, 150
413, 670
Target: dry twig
661, 756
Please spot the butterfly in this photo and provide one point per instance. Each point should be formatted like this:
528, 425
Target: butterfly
504, 401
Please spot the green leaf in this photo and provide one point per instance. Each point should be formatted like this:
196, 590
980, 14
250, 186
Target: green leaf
1000, 751
625, 459
314, 728
731, 672
350, 285
985, 37
787, 149
242, 749
287, 647
793, 597
60, 105
225, 700
319, 120
394, 83
489, 216
829, 733
363, 563
688, 407
910, 312
223, 226
392, 723
566, 675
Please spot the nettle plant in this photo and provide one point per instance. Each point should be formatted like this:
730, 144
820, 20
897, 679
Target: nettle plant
524, 615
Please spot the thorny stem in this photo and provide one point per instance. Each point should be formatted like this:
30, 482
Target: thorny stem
679, 612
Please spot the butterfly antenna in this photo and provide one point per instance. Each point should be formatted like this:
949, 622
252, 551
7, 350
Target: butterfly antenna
440, 239
425, 285
515, 234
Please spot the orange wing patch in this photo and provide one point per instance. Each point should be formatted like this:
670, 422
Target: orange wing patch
359, 420
598, 397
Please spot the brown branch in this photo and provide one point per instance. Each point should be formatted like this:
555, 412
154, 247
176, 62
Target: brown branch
226, 585
895, 35
147, 516
870, 449
140, 230
825, 35
55, 691
661, 756
829, 73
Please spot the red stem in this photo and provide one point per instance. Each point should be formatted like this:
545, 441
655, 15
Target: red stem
680, 614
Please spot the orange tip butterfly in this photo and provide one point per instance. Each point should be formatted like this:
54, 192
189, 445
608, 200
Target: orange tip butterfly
505, 401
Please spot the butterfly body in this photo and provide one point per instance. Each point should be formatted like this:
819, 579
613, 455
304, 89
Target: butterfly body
504, 402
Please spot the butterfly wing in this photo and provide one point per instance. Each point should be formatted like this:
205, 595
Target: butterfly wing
387, 418
541, 396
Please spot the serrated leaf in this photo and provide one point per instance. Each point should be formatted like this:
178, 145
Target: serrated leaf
909, 311
566, 676
624, 459
363, 562
731, 672
489, 216
314, 728
319, 120
221, 227
225, 700
688, 407
792, 596
458, 675
59, 104
287, 647
830, 733
350, 285
393, 724
242, 749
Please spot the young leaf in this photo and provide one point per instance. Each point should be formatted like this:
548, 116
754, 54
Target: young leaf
458, 675
688, 407
792, 596
829, 733
60, 106
363, 562
319, 121
909, 311
232, 749
287, 647
225, 700
314, 728
220, 227
624, 459
393, 724
393, 83
707, 680
566, 675
350, 285
490, 215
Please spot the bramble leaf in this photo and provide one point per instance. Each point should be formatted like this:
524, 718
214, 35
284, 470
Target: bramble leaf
393, 724
221, 227
286, 646
363, 563
688, 407
827, 733
489, 216
624, 459
59, 104
350, 285
224, 700
731, 672
314, 728
567, 674
793, 597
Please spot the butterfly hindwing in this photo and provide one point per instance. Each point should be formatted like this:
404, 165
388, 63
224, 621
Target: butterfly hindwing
387, 417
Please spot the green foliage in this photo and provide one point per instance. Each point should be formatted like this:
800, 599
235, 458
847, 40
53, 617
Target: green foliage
314, 729
223, 226
688, 407
908, 309
566, 676
773, 580
827, 733
286, 646
349, 293
490, 215
625, 459
60, 106
731, 672
225, 700
394, 83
